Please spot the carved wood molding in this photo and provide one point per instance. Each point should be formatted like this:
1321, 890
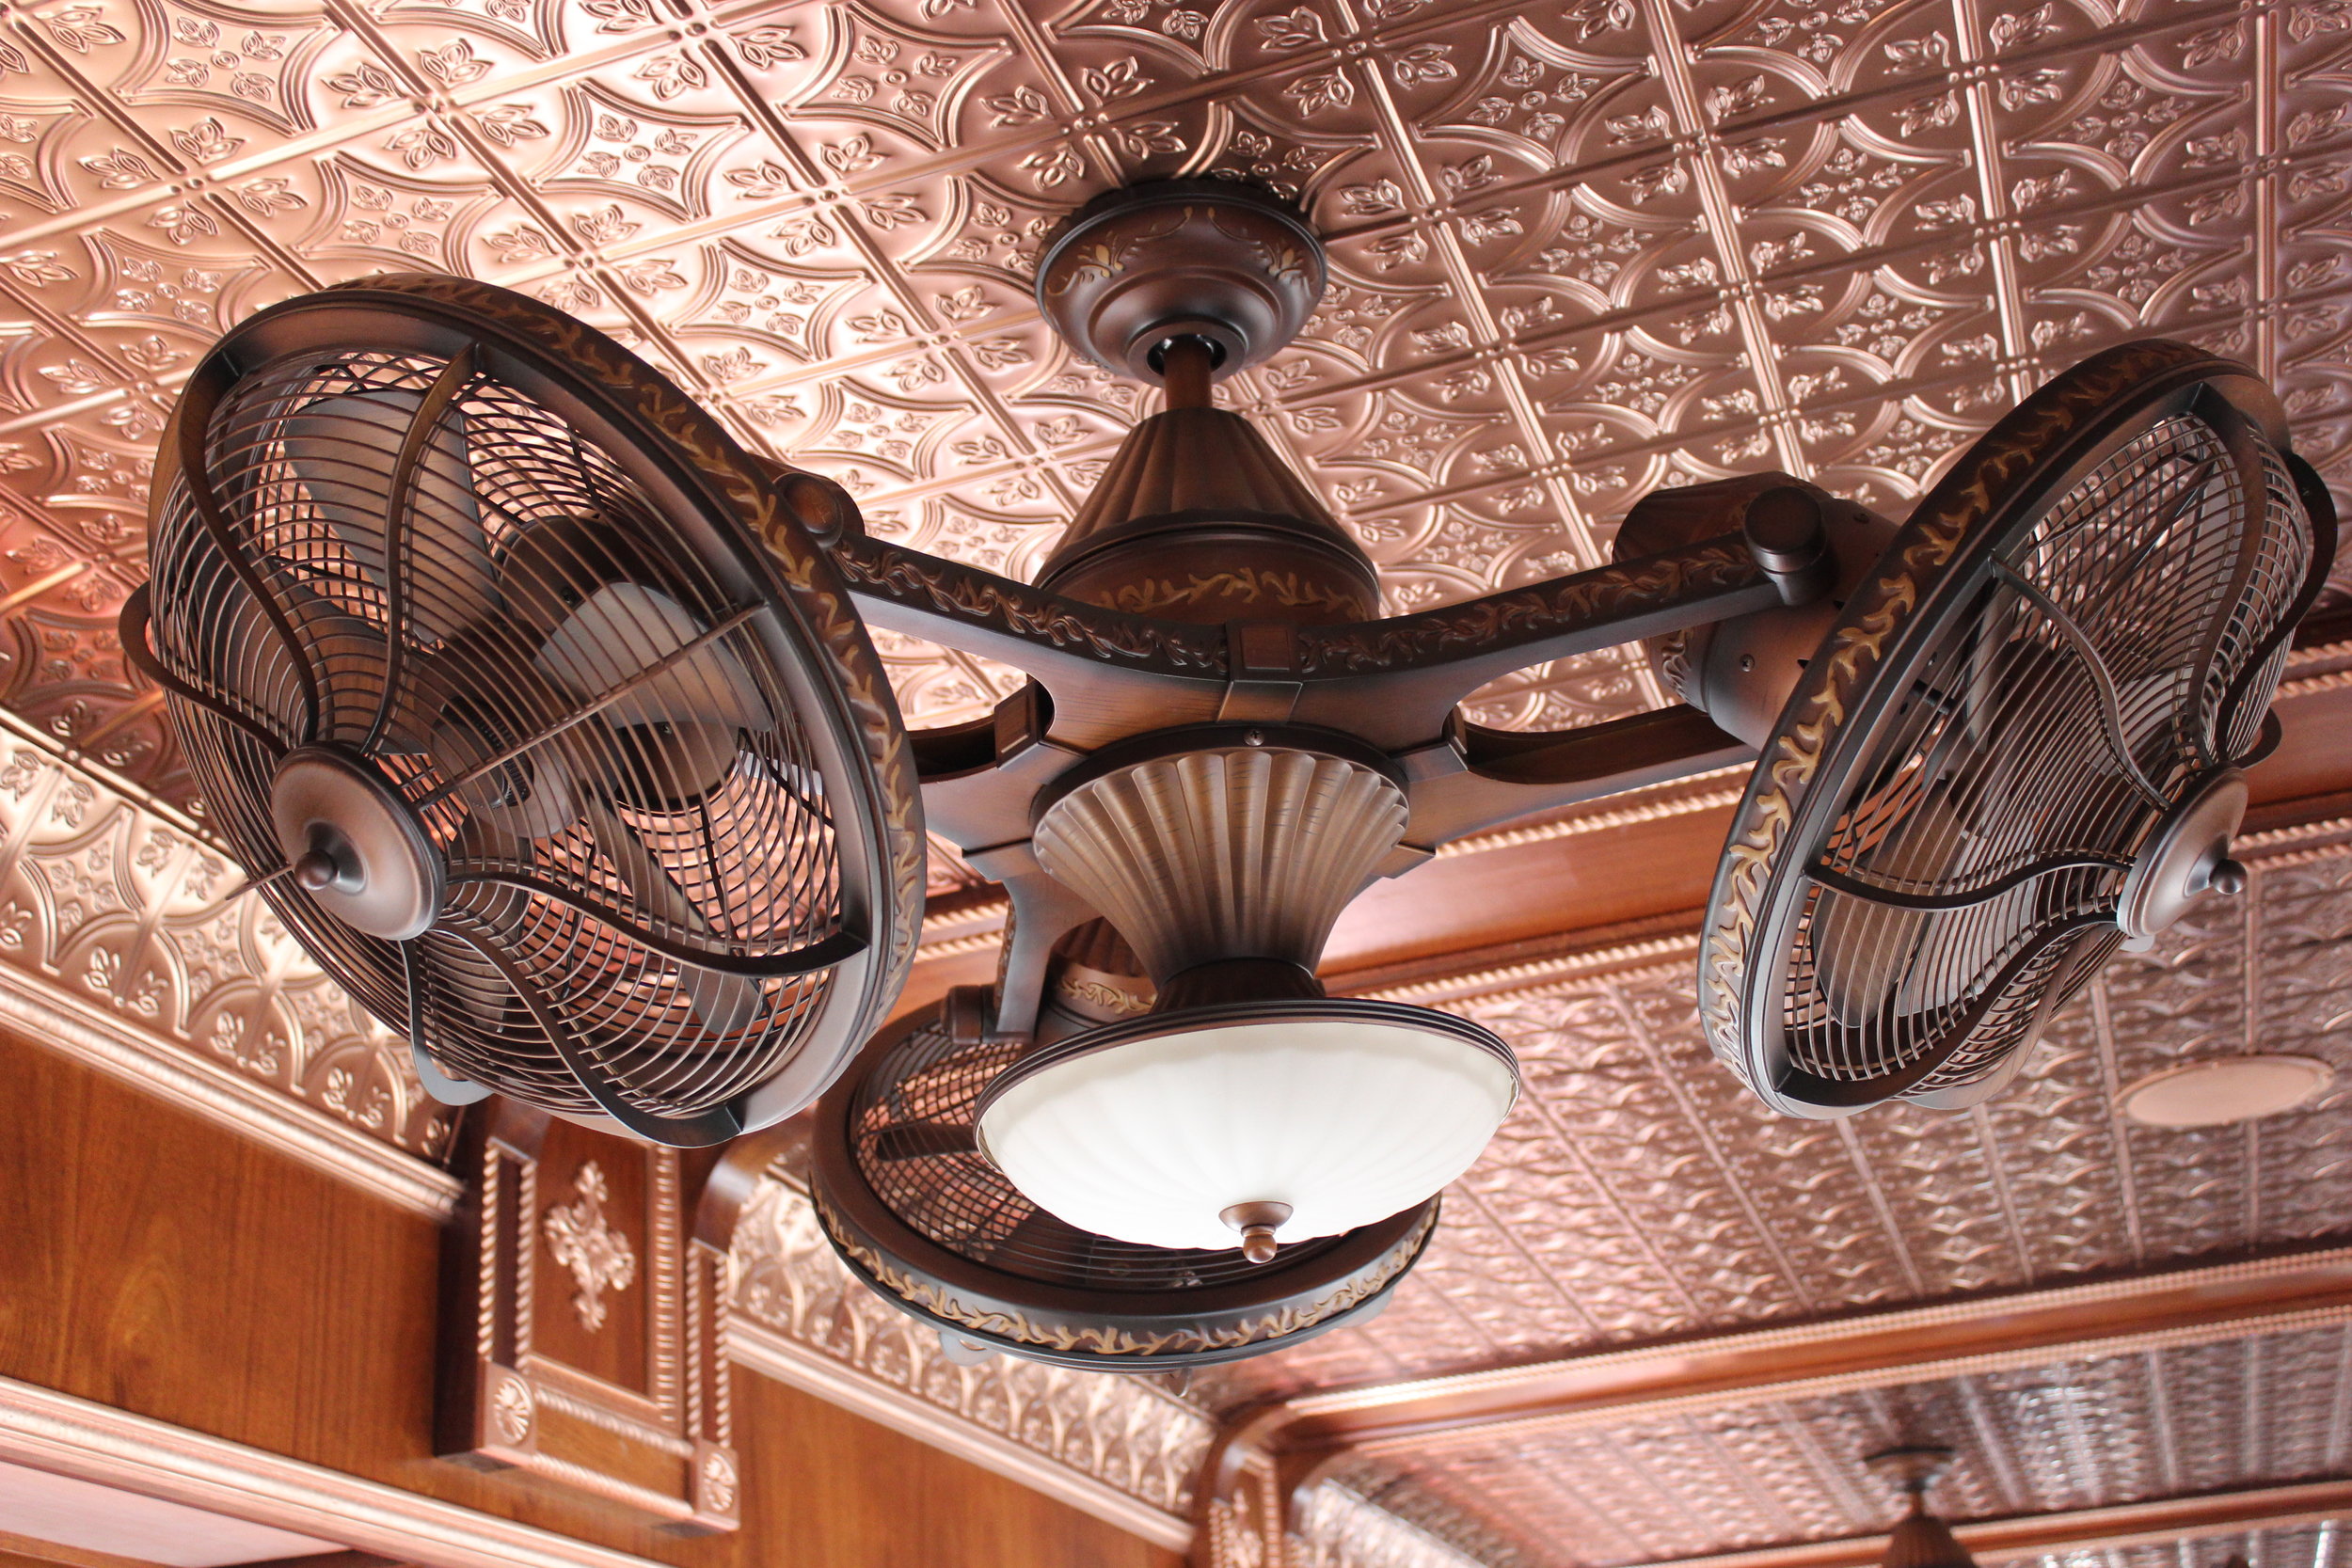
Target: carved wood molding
758, 1348
55, 1431
1875, 1350
580, 1319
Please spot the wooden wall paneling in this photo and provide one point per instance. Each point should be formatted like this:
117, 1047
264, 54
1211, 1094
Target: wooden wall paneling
152, 1261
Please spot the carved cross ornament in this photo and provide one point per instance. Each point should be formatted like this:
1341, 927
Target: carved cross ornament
597, 1255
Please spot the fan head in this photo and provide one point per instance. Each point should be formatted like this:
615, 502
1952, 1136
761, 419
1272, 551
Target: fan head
921, 1215
571, 758
2021, 743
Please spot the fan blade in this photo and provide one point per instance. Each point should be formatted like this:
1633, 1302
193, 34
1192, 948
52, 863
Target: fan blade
343, 449
1868, 957
624, 629
724, 1003
920, 1140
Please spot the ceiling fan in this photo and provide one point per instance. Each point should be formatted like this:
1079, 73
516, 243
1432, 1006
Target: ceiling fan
546, 718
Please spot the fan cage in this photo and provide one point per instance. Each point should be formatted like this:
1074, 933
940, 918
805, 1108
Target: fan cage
530, 579
2099, 672
913, 1135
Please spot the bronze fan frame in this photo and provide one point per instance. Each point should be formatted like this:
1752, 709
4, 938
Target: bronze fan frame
2002, 485
746, 523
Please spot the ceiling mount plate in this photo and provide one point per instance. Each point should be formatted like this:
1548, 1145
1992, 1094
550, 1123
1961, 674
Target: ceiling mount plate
1209, 258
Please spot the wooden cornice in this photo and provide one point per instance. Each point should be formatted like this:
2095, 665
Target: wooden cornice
2154, 1521
1308, 1433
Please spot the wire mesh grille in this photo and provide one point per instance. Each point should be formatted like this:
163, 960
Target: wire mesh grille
1980, 860
911, 1132
582, 711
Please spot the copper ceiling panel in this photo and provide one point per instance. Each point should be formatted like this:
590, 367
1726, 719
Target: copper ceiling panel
1639, 1191
2070, 1434
1580, 248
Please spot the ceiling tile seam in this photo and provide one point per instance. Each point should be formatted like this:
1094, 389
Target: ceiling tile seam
1088, 130
1695, 145
2266, 72
1646, 1545
893, 282
2253, 1369
968, 156
2338, 1449
1768, 1504
1545, 1278
2015, 1492
1561, 178
2119, 1130
2004, 1192
1636, 319
1850, 1137
1677, 1507
1679, 1090
1976, 98
1469, 292
2160, 1415
1831, 1475
1668, 444
1638, 1233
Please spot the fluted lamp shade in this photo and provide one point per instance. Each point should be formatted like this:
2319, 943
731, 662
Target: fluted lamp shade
1296, 1118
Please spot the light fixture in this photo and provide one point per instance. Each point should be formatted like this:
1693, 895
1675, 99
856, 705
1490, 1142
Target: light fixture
1919, 1538
2225, 1089
546, 717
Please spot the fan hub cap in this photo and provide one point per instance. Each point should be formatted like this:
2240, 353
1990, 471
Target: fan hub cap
356, 846
2187, 856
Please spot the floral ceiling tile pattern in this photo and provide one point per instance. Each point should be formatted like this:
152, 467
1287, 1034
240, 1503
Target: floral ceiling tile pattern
1581, 249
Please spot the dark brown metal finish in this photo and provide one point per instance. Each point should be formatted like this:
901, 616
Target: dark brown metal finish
2074, 633
468, 623
1197, 520
1226, 262
917, 1213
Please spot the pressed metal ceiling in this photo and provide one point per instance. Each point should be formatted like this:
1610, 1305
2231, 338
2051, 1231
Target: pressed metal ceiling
1579, 250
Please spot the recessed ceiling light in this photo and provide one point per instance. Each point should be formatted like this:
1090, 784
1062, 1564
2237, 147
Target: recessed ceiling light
2225, 1089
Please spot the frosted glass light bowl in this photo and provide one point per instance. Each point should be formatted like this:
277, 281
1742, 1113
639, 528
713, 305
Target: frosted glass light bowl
1346, 1111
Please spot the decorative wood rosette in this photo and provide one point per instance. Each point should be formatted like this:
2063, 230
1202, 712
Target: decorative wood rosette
2043, 690
583, 1320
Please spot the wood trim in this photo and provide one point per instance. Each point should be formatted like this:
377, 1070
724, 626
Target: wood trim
2178, 1306
2159, 1521
757, 1348
54, 1432
56, 1018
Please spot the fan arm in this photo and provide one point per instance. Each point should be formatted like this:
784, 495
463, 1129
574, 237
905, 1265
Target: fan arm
1393, 682
1045, 635
1479, 778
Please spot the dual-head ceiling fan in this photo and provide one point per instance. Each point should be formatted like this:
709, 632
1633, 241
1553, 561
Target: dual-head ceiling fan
547, 718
